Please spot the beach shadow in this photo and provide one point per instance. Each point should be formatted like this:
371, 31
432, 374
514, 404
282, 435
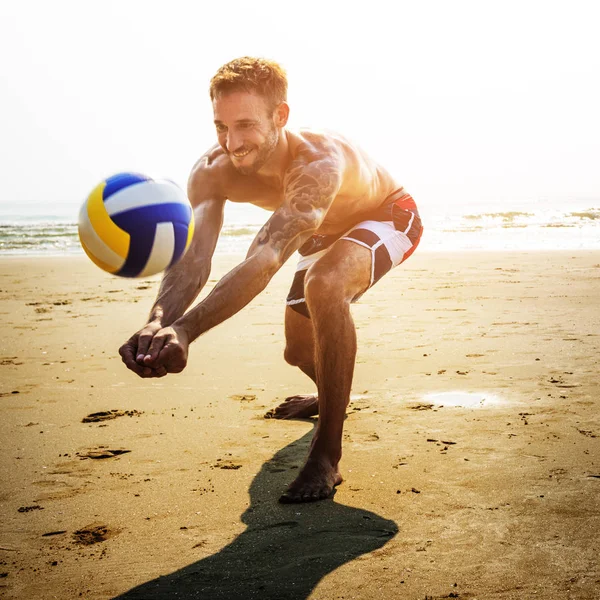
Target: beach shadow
286, 549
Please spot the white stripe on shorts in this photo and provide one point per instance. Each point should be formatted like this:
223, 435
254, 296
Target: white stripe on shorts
396, 242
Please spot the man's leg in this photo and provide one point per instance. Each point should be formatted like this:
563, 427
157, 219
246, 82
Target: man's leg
299, 352
330, 285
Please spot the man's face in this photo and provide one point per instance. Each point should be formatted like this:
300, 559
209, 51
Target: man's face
245, 129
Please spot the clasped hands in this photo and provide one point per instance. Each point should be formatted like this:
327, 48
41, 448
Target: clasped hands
155, 351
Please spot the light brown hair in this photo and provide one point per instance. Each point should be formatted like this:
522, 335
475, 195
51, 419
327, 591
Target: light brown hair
258, 75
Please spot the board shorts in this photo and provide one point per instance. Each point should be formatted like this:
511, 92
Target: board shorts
391, 233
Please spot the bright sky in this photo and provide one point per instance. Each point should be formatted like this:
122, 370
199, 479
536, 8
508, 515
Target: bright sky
463, 101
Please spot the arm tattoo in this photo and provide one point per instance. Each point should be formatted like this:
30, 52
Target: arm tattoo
310, 188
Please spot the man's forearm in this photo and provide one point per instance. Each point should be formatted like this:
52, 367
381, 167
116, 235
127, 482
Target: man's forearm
234, 291
178, 289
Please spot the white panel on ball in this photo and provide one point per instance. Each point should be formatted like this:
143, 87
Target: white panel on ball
162, 250
147, 193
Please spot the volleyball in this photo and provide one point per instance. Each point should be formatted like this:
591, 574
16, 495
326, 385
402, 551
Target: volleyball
134, 226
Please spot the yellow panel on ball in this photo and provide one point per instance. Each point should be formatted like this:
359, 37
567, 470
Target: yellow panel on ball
112, 235
191, 229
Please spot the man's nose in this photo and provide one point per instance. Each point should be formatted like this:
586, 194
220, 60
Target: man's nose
233, 141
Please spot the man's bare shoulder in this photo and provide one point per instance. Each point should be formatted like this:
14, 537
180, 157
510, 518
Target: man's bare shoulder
313, 144
208, 176
362, 175
321, 144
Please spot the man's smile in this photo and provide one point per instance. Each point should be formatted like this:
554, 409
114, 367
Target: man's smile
242, 153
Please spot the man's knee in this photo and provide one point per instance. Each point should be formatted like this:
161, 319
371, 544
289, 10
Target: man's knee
297, 355
299, 341
323, 288
299, 345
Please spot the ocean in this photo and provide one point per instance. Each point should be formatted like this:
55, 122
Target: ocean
43, 229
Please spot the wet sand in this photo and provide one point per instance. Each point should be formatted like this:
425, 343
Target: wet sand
471, 453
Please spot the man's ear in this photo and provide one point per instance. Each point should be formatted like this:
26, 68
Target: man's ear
281, 115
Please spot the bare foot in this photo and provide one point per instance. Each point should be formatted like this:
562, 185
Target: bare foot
315, 482
296, 407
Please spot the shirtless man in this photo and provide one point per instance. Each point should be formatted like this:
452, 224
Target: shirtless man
349, 219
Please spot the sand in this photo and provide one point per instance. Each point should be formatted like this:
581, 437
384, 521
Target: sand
471, 452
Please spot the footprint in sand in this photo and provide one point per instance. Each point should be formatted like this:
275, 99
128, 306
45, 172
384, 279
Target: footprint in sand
100, 453
244, 397
26, 509
93, 533
421, 407
587, 433
108, 415
26, 388
43, 309
10, 360
227, 465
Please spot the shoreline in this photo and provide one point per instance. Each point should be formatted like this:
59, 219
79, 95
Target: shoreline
241, 253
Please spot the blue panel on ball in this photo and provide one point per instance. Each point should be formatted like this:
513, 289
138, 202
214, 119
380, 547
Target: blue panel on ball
140, 245
171, 212
121, 180
140, 224
181, 233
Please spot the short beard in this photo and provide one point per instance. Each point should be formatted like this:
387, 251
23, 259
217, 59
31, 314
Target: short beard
263, 154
